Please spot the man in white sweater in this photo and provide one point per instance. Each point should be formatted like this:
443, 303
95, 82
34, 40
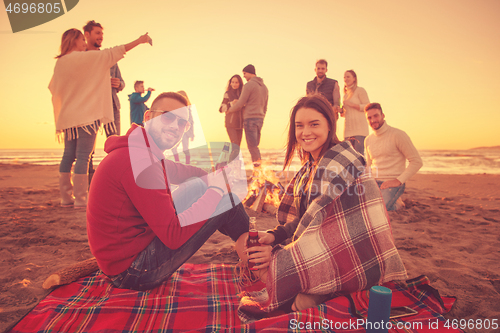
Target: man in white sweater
387, 150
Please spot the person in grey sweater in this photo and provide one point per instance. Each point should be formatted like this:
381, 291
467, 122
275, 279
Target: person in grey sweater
254, 98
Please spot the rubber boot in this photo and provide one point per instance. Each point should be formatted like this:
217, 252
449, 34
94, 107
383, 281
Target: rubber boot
80, 189
66, 189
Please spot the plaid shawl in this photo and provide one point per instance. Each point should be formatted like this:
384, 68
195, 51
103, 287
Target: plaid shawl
343, 243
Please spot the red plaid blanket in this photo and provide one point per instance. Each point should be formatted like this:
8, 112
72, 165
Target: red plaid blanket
204, 298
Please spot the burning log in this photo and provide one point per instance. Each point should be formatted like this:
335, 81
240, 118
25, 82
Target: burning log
264, 198
259, 201
71, 273
264, 191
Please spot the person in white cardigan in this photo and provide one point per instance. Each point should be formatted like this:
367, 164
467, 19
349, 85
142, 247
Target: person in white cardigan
80, 89
355, 100
387, 150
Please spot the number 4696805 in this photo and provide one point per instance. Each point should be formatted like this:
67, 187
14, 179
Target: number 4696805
33, 8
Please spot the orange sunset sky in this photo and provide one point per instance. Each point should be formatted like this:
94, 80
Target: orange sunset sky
433, 65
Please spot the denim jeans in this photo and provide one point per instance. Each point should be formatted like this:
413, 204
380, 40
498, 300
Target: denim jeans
79, 149
252, 128
358, 142
391, 195
156, 263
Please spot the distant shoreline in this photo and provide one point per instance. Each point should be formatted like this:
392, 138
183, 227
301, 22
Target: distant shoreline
486, 148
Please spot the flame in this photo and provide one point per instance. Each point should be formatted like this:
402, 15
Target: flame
262, 175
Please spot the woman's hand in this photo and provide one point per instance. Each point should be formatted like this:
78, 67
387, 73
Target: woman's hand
266, 238
260, 256
144, 38
141, 40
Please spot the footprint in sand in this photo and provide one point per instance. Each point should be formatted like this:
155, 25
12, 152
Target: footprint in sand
444, 263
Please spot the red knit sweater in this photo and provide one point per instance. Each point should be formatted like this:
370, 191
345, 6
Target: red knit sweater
124, 217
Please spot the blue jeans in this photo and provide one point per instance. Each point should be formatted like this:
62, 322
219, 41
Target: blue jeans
391, 195
252, 128
358, 142
79, 149
156, 263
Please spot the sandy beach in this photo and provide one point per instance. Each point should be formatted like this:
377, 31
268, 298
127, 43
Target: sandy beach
449, 231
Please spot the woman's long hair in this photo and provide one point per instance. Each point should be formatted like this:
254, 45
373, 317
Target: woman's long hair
320, 104
355, 85
240, 88
68, 41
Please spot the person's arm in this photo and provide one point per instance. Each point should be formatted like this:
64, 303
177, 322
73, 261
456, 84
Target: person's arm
308, 92
245, 94
368, 155
156, 206
281, 233
119, 83
225, 103
407, 148
141, 40
362, 97
336, 95
137, 98
265, 104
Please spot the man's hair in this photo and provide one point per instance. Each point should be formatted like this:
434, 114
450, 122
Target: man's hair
138, 83
90, 25
373, 106
322, 61
172, 95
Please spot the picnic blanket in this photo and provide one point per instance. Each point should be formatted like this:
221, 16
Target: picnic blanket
204, 298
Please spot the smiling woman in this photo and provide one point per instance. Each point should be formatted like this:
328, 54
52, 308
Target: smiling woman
329, 204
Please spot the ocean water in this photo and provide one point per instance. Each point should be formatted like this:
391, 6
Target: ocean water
472, 161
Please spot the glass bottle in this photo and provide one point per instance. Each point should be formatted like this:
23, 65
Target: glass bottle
253, 238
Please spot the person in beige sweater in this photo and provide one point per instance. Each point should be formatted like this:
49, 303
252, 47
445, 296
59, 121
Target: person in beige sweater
355, 100
387, 150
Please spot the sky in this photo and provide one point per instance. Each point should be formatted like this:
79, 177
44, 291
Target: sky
434, 66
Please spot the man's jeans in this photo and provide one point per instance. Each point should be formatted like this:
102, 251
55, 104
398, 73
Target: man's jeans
391, 195
156, 263
252, 128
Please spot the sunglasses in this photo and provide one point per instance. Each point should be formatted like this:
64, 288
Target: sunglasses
168, 118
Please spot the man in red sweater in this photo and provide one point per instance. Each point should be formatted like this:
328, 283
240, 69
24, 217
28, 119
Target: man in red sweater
139, 231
